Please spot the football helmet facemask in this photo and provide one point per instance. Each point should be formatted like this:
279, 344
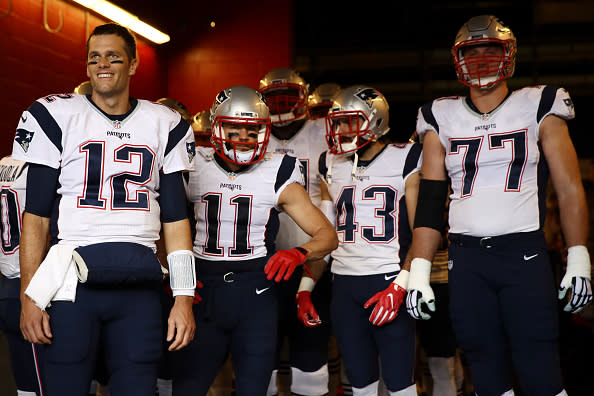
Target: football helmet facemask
238, 108
285, 93
320, 100
359, 115
485, 70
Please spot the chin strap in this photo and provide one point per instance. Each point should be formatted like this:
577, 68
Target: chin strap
354, 170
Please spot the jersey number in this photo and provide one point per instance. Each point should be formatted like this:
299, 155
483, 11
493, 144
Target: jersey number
497, 141
95, 157
346, 213
11, 221
243, 210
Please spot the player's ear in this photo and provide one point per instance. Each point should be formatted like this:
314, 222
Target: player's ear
133, 66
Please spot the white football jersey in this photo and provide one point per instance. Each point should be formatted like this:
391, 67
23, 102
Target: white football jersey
368, 208
307, 145
498, 173
109, 168
237, 212
13, 176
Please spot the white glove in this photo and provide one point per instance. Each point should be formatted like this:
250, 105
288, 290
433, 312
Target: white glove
419, 291
577, 277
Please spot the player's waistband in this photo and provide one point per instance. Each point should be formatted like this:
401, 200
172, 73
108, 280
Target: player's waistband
507, 241
230, 271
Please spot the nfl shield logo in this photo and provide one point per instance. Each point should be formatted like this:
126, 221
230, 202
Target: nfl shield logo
117, 124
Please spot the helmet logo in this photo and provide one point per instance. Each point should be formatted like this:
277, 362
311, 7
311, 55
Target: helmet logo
222, 96
367, 95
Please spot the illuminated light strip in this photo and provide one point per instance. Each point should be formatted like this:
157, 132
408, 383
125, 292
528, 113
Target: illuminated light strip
124, 18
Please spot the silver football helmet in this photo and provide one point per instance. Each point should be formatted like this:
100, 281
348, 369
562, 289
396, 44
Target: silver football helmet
320, 100
486, 70
202, 127
285, 93
359, 115
238, 108
177, 106
84, 88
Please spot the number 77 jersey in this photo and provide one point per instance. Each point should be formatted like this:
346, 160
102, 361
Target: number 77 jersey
497, 170
109, 165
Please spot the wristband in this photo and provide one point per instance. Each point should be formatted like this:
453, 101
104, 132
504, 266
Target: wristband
182, 272
578, 262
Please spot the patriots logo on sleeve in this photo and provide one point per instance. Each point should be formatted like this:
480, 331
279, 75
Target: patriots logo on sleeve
367, 95
569, 103
23, 137
191, 149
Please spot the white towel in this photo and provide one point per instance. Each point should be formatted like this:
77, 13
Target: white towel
55, 279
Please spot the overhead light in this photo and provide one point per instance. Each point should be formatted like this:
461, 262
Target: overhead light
124, 18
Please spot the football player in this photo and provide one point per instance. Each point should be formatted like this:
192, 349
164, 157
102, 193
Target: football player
370, 188
320, 100
238, 190
497, 148
103, 171
25, 357
286, 93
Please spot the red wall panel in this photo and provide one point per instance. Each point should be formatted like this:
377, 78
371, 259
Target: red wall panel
35, 62
244, 45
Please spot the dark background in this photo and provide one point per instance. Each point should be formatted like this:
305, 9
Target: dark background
402, 48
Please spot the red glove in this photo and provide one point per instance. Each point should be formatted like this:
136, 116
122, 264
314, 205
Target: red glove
197, 297
306, 312
388, 301
284, 263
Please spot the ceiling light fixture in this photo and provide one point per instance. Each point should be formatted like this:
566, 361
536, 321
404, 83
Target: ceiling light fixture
124, 18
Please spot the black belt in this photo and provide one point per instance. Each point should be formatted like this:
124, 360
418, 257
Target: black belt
527, 239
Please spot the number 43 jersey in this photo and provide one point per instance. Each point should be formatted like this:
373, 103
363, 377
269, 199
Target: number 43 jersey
237, 212
109, 166
497, 171
369, 208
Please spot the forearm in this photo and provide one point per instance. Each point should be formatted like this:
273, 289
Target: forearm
315, 268
177, 235
573, 212
33, 246
425, 243
322, 242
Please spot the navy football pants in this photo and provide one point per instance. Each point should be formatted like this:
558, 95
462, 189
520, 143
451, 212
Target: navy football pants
25, 357
238, 315
125, 322
504, 309
362, 344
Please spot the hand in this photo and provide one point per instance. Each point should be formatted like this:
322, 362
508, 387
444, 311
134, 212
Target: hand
577, 278
306, 312
181, 323
284, 263
388, 302
419, 291
35, 324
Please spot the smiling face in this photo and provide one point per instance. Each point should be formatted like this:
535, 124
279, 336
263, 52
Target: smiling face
108, 66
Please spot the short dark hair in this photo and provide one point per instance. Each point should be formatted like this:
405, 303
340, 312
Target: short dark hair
118, 30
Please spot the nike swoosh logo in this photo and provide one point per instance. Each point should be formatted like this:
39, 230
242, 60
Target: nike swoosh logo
526, 258
388, 277
258, 291
24, 118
